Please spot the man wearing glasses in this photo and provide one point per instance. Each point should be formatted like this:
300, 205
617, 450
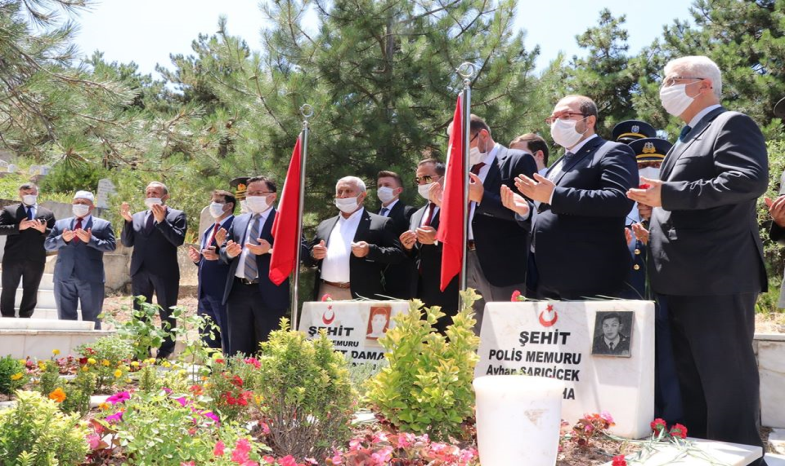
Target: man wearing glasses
420, 243
579, 244
707, 261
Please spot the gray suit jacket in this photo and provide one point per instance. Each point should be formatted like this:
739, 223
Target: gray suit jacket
704, 238
79, 260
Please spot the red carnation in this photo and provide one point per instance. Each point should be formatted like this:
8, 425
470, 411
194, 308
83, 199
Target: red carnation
658, 425
619, 460
644, 186
515, 296
678, 430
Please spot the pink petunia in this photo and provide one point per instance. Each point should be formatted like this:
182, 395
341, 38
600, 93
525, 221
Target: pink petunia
183, 401
287, 461
219, 449
337, 458
94, 440
241, 451
606, 416
379, 437
118, 398
116, 417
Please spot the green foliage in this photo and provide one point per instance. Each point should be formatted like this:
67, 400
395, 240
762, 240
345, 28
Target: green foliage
110, 353
78, 393
36, 430
306, 394
427, 388
13, 375
140, 331
48, 378
68, 177
230, 384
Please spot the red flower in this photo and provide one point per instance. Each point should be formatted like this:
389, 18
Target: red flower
619, 461
658, 425
237, 381
327, 297
644, 186
516, 295
678, 430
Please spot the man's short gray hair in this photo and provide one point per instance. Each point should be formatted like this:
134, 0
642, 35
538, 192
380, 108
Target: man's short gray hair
360, 184
158, 184
698, 66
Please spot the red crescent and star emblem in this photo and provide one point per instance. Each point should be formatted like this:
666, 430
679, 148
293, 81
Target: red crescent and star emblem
325, 319
551, 312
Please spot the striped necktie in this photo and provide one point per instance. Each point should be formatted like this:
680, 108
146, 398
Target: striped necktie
251, 270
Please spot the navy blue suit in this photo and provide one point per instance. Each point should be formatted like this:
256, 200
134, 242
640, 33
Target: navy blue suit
212, 286
79, 270
154, 266
254, 310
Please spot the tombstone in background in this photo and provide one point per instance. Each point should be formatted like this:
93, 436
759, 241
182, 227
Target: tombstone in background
44, 169
205, 220
34, 170
106, 189
12, 168
3, 166
565, 340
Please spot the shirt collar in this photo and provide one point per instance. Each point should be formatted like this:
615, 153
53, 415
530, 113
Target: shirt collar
223, 222
85, 219
492, 154
354, 216
389, 207
579, 146
697, 118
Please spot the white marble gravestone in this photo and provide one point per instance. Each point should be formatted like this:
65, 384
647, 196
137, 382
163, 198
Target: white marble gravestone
555, 339
106, 189
353, 326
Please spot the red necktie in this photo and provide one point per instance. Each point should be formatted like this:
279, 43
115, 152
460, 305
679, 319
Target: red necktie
431, 208
78, 226
477, 167
212, 236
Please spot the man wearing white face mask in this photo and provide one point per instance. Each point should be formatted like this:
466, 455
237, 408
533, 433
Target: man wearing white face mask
579, 244
352, 249
706, 253
26, 226
399, 279
254, 304
155, 235
80, 242
212, 271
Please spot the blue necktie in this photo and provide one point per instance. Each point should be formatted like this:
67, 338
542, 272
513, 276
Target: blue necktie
684, 132
383, 211
30, 215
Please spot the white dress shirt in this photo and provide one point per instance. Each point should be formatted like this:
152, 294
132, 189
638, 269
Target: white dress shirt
699, 116
240, 272
389, 208
335, 267
427, 213
488, 160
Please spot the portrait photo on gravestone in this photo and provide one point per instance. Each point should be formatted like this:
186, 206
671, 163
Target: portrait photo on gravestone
612, 334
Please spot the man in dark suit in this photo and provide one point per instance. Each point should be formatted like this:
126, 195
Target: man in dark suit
706, 253
80, 242
254, 304
155, 235
611, 340
497, 244
212, 271
579, 244
26, 226
352, 249
777, 208
399, 279
535, 145
420, 243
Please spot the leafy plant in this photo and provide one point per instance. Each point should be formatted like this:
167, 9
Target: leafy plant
13, 375
228, 389
141, 331
402, 448
78, 393
48, 378
427, 387
306, 394
37, 433
106, 358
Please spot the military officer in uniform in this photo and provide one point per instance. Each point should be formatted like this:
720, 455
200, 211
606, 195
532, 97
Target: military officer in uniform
632, 130
240, 185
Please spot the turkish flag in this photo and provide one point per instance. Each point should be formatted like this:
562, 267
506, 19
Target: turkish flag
453, 208
284, 232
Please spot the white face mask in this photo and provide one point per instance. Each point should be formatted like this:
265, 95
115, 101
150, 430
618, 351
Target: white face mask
257, 204
423, 189
29, 199
475, 156
385, 194
674, 99
216, 209
151, 201
80, 210
347, 205
564, 133
650, 173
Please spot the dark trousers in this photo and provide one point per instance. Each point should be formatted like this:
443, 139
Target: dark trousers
250, 323
68, 294
30, 273
212, 307
715, 363
475, 278
667, 395
144, 283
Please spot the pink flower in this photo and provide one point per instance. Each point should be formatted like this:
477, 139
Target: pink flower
219, 449
516, 296
606, 416
405, 440
183, 401
354, 444
116, 417
211, 415
190, 463
167, 390
337, 458
241, 451
94, 440
467, 455
382, 457
619, 460
287, 461
326, 297
265, 428
269, 459
118, 398
589, 428
379, 437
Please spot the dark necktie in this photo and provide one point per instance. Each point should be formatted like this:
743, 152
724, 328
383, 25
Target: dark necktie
610, 345
684, 132
148, 227
209, 242
78, 226
428, 219
250, 267
477, 167
383, 211
30, 215
568, 158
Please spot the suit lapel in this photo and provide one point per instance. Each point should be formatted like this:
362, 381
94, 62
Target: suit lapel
363, 226
680, 148
417, 217
494, 173
587, 149
326, 229
267, 228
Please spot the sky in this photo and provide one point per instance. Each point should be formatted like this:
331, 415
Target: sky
147, 31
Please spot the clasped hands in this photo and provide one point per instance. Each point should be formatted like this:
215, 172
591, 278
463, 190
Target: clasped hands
82, 234
359, 249
235, 249
36, 224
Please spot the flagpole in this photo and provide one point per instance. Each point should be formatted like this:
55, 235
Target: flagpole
466, 71
307, 112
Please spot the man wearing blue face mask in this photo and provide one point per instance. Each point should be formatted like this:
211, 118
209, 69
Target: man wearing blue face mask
706, 253
80, 242
212, 271
352, 249
579, 244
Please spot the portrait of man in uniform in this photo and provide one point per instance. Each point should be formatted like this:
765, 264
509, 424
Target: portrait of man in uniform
612, 333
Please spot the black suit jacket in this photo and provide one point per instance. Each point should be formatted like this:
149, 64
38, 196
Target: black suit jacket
400, 280
579, 238
502, 243
622, 349
26, 244
365, 273
704, 238
212, 274
274, 296
155, 252
428, 258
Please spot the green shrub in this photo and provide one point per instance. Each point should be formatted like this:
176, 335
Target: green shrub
427, 387
78, 393
36, 429
141, 332
13, 375
307, 396
49, 377
107, 357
